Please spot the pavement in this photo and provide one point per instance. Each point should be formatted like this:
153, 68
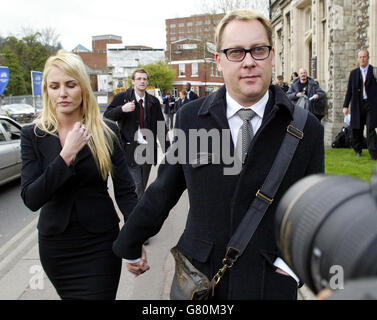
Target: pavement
22, 276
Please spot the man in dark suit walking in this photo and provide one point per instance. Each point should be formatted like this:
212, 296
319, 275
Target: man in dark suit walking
219, 199
137, 111
191, 95
362, 94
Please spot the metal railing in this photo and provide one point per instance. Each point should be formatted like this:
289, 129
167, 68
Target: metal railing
35, 101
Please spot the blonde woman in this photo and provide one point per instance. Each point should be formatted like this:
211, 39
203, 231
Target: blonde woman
67, 156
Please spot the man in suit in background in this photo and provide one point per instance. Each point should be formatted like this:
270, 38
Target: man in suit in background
362, 94
191, 95
136, 110
305, 85
169, 111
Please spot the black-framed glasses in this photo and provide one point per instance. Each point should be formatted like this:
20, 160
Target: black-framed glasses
238, 54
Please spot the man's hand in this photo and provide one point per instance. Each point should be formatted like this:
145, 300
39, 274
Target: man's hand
345, 111
299, 94
316, 96
140, 267
129, 106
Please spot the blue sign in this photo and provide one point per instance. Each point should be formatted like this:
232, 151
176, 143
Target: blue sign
4, 78
36, 82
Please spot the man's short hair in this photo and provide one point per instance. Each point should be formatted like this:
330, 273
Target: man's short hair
280, 77
241, 15
363, 49
140, 70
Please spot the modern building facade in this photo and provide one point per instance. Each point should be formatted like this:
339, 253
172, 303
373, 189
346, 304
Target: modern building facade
324, 37
122, 60
200, 27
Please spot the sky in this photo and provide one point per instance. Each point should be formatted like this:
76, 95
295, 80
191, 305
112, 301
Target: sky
138, 22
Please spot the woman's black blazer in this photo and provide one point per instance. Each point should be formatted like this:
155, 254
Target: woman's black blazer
48, 183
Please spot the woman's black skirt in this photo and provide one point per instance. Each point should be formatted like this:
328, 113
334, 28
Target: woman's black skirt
81, 265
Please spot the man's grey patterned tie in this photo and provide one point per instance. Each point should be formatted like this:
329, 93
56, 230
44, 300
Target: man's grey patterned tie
245, 134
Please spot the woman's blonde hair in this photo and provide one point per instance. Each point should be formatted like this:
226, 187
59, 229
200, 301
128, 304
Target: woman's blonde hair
241, 15
102, 139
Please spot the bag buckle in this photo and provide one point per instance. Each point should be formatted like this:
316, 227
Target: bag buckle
295, 132
231, 257
262, 196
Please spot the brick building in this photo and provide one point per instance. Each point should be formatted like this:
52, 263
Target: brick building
201, 27
97, 58
194, 61
191, 53
324, 37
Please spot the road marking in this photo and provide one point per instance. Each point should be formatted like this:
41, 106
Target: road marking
18, 236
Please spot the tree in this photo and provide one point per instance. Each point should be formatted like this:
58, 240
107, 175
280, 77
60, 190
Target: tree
29, 53
16, 84
224, 6
161, 75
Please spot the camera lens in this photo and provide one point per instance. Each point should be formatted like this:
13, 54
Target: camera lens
324, 221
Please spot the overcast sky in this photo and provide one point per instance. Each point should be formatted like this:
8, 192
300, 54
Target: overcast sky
138, 22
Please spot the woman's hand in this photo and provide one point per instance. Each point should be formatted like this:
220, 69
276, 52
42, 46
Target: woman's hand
75, 140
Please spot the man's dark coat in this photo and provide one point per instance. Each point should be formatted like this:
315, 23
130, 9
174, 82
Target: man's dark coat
218, 202
354, 94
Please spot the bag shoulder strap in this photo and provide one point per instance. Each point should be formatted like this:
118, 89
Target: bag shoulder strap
265, 195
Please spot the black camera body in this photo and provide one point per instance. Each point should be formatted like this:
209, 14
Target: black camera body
326, 230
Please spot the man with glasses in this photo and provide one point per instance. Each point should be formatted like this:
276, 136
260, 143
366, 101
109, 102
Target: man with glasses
135, 111
219, 201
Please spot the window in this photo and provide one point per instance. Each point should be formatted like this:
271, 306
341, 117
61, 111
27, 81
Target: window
198, 23
194, 69
11, 131
189, 24
181, 25
182, 69
2, 137
214, 71
173, 38
172, 26
308, 19
172, 31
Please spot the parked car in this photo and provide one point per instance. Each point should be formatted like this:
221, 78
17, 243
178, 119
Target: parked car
20, 112
10, 150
